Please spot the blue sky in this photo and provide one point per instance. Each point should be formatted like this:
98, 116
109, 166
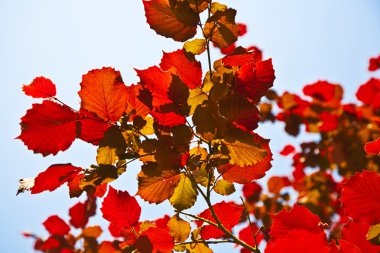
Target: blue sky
308, 40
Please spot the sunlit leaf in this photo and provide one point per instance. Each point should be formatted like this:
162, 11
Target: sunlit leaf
184, 195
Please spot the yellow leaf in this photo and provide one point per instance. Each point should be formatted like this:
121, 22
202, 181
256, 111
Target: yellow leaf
374, 232
224, 187
243, 154
215, 6
179, 229
94, 231
148, 128
106, 155
198, 248
185, 194
196, 97
196, 46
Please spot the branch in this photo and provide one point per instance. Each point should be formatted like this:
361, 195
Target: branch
206, 242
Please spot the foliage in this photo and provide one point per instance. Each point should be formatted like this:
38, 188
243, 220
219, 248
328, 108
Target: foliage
194, 134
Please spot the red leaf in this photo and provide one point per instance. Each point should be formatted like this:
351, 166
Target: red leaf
169, 119
373, 147
41, 87
369, 93
134, 103
361, 197
298, 241
53, 177
48, 128
244, 175
78, 216
329, 121
104, 93
155, 240
374, 63
252, 192
254, 80
177, 22
56, 226
92, 128
356, 234
185, 66
228, 213
242, 29
287, 150
158, 83
324, 91
48, 244
247, 236
120, 208
298, 218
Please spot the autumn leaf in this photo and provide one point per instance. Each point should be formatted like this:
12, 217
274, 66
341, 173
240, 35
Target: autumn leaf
299, 218
227, 212
221, 28
361, 197
287, 150
243, 154
56, 226
78, 216
92, 128
41, 87
373, 147
48, 128
172, 19
155, 240
196, 46
169, 119
104, 93
185, 194
53, 177
179, 229
157, 188
185, 66
356, 233
300, 241
224, 187
120, 208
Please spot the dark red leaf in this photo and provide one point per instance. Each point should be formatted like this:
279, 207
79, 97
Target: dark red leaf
92, 128
169, 119
369, 93
48, 128
56, 226
120, 208
324, 91
41, 87
53, 177
374, 63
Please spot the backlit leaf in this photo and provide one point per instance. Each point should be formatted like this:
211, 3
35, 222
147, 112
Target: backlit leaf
224, 187
157, 188
78, 216
155, 240
56, 226
179, 229
53, 177
41, 87
48, 128
221, 28
185, 66
184, 195
228, 213
196, 46
121, 208
172, 19
104, 93
373, 147
361, 197
243, 154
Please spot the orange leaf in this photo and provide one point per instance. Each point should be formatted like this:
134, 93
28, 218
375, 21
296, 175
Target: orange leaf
173, 20
104, 93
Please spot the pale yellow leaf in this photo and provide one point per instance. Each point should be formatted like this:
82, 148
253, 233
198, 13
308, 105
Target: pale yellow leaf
179, 229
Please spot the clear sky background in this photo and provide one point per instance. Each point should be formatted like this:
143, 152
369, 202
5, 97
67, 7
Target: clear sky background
308, 40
